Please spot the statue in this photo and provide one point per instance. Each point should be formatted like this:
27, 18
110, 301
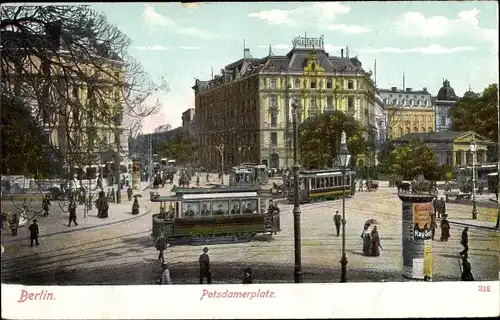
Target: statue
102, 205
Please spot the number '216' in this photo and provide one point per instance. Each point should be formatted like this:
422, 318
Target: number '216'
484, 288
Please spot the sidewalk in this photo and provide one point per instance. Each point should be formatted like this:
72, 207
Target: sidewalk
57, 221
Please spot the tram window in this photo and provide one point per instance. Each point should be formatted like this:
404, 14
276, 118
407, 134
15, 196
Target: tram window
322, 183
190, 209
235, 207
237, 177
205, 208
249, 206
347, 179
332, 183
220, 207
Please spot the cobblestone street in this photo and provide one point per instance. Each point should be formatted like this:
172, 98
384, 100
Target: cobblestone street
123, 253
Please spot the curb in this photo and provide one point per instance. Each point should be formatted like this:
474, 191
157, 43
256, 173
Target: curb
147, 211
474, 226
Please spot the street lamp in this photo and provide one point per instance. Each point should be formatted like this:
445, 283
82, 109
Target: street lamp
343, 159
296, 205
473, 149
220, 148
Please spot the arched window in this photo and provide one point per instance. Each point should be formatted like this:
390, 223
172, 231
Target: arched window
400, 131
429, 129
397, 101
415, 129
422, 129
418, 102
313, 84
350, 84
412, 102
407, 130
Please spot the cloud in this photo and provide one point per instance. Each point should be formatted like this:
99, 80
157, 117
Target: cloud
192, 31
348, 29
320, 12
415, 24
154, 20
190, 48
431, 49
153, 48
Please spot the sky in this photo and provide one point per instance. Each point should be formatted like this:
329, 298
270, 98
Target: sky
428, 41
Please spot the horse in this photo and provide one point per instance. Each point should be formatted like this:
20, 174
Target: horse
402, 186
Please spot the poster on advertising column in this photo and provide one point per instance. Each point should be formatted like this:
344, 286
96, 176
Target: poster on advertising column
422, 221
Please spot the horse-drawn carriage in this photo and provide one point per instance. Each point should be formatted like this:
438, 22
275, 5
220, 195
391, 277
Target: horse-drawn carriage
418, 185
459, 191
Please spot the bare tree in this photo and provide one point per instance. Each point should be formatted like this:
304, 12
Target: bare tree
72, 67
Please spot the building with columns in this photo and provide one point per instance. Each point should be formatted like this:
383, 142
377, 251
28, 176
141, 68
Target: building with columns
451, 148
247, 107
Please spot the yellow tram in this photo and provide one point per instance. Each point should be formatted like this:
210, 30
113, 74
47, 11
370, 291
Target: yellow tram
207, 215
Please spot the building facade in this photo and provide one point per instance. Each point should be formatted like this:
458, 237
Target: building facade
451, 148
445, 100
247, 108
407, 111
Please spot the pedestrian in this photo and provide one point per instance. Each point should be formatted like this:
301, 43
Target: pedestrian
161, 244
442, 208
207, 177
130, 192
337, 219
205, 271
46, 205
360, 185
34, 231
466, 269
433, 226
445, 228
165, 275
247, 276
375, 252
435, 205
72, 212
197, 180
367, 241
13, 224
465, 242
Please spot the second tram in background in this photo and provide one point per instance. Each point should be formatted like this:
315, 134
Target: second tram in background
321, 185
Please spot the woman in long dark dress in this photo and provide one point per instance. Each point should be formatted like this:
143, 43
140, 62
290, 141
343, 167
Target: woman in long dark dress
375, 252
365, 235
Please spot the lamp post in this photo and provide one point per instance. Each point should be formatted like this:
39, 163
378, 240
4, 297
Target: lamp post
343, 159
220, 148
296, 205
473, 149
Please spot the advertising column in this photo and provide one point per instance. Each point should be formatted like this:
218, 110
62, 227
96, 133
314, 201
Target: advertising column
417, 243
136, 175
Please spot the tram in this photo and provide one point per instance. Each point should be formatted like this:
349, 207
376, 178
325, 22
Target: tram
219, 214
260, 172
321, 185
242, 177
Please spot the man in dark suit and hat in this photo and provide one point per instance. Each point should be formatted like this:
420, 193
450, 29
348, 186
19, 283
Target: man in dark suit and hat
205, 272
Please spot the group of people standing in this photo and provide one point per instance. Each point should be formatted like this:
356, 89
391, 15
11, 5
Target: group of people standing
371, 240
205, 275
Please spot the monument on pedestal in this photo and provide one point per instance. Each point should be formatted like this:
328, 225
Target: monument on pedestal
417, 211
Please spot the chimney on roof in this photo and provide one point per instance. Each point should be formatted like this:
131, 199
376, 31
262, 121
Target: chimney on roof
394, 89
424, 89
341, 53
347, 52
246, 53
409, 89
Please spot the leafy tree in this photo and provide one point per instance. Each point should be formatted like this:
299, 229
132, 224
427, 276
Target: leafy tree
25, 150
412, 159
319, 139
478, 113
181, 150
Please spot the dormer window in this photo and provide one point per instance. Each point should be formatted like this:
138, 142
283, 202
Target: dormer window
350, 84
313, 84
313, 66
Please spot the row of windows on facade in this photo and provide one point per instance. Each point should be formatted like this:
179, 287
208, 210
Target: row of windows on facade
313, 102
422, 118
415, 129
406, 102
314, 84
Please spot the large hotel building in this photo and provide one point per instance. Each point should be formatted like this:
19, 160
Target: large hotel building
245, 112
